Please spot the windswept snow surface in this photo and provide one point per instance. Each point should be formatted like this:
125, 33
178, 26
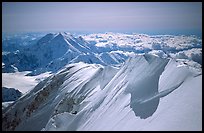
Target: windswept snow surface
146, 93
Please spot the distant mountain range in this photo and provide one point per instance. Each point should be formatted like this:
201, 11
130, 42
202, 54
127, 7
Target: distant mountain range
10, 94
55, 50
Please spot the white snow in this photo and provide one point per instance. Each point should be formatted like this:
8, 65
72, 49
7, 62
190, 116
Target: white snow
3, 64
110, 81
6, 104
194, 54
144, 41
184, 113
146, 93
19, 81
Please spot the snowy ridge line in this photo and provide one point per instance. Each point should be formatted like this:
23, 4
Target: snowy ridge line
93, 97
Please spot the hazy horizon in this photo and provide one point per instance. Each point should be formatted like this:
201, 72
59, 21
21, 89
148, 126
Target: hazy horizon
125, 17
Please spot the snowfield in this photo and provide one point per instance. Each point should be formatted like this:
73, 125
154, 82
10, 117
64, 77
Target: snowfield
146, 92
20, 81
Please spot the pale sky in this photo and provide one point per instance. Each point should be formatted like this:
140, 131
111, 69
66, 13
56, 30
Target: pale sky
154, 17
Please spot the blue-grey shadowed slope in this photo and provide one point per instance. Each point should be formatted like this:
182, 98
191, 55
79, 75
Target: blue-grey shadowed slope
149, 71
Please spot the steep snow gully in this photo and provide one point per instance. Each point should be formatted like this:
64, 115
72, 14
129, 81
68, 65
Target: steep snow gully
93, 97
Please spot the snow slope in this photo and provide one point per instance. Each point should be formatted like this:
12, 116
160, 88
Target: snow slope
146, 93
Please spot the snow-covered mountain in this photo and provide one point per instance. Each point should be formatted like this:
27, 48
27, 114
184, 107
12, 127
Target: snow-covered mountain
10, 94
167, 45
52, 52
147, 92
55, 50
144, 42
110, 81
13, 42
